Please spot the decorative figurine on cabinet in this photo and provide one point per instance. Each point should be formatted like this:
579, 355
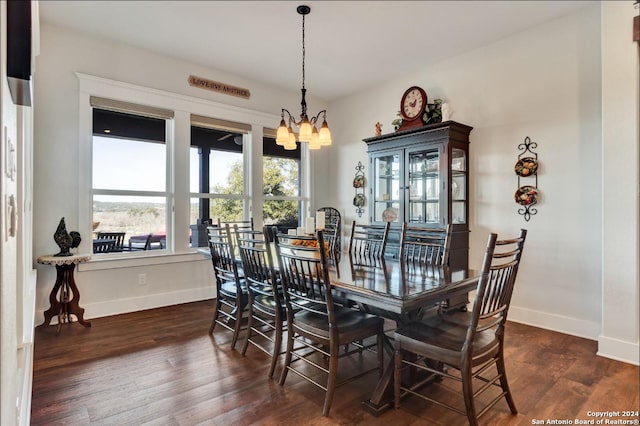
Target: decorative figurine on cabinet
378, 129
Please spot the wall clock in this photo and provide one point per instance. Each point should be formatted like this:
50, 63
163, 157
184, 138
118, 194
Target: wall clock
412, 106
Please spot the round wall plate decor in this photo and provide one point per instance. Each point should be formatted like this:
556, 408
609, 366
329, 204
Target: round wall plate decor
526, 195
526, 166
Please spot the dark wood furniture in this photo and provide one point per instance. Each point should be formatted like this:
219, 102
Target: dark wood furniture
64, 299
333, 225
266, 309
472, 347
104, 245
319, 326
231, 296
367, 243
400, 293
421, 176
239, 224
421, 246
117, 237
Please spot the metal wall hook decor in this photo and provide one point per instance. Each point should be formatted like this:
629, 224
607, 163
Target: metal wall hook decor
526, 168
358, 184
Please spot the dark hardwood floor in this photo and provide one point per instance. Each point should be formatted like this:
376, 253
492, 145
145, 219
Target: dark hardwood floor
160, 367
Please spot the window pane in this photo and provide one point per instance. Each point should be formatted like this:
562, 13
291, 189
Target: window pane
280, 176
282, 213
128, 164
226, 172
225, 210
136, 216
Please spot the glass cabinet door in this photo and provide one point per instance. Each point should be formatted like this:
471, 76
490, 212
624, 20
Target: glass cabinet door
424, 187
458, 186
386, 188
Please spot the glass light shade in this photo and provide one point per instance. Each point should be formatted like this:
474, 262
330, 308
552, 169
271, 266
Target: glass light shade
291, 142
305, 130
325, 134
283, 134
314, 143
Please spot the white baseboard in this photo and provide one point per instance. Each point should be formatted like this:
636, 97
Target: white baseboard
562, 324
619, 350
141, 303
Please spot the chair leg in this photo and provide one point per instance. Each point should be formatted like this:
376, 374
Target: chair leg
216, 309
287, 357
397, 376
380, 350
333, 378
238, 323
277, 342
505, 384
245, 345
467, 391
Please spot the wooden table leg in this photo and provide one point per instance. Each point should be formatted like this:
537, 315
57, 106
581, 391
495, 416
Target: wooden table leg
73, 305
64, 298
54, 304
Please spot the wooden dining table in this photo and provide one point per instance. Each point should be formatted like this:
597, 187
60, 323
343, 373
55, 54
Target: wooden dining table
399, 291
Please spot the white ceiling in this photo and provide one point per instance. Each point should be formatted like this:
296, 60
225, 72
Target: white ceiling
350, 45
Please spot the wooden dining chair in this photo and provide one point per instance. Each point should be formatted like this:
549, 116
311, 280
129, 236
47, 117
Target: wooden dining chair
333, 222
424, 246
472, 348
331, 235
240, 224
231, 296
316, 324
266, 309
367, 243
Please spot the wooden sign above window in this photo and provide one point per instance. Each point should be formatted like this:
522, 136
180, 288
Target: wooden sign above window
216, 86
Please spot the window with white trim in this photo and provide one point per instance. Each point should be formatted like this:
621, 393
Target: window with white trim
130, 185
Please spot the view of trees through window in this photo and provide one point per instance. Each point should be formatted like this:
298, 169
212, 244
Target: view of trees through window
281, 179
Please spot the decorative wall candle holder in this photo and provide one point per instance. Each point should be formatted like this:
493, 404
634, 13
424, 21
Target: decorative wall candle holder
358, 183
526, 168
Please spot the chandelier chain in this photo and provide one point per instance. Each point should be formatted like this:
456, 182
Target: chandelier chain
303, 52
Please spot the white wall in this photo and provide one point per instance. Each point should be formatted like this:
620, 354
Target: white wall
57, 155
620, 115
543, 83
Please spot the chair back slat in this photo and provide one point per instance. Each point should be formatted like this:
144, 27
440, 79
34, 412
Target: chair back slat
117, 237
241, 225
333, 222
419, 246
304, 276
257, 266
494, 291
222, 256
368, 243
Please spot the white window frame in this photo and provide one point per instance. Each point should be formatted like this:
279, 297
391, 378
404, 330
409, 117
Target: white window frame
178, 145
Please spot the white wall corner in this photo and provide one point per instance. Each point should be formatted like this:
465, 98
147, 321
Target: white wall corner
619, 350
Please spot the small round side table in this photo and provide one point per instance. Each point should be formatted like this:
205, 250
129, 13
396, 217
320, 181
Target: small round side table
64, 298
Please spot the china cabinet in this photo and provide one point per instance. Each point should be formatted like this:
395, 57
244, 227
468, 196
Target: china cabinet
421, 176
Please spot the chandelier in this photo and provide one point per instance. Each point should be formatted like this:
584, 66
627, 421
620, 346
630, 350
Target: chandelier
307, 130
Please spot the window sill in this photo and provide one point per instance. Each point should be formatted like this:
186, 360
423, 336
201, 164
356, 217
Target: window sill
117, 261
